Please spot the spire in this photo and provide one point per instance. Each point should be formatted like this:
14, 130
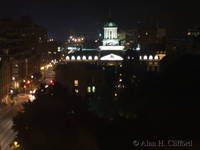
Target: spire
109, 13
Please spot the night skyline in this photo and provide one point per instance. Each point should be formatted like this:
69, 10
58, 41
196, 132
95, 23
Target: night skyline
61, 16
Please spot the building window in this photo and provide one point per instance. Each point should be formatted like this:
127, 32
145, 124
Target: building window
89, 89
78, 58
93, 89
84, 58
67, 58
96, 58
145, 57
73, 58
75, 82
156, 57
76, 91
150, 57
90, 57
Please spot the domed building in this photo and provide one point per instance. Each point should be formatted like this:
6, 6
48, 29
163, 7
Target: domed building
111, 41
111, 52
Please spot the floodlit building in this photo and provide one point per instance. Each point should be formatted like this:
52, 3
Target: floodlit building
112, 52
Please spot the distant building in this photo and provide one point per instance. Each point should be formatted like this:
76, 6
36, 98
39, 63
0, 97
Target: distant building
111, 52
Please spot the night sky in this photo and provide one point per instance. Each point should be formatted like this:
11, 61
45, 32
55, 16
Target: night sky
62, 16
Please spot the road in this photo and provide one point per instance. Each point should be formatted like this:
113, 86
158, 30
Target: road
7, 112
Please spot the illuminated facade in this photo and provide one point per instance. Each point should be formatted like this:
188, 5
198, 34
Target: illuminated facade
111, 41
112, 53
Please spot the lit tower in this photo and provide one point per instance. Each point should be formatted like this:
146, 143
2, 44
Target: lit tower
111, 41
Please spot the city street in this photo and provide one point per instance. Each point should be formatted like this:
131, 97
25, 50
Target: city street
7, 112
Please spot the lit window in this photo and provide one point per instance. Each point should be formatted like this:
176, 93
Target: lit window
90, 57
78, 58
75, 82
140, 57
76, 91
156, 57
145, 57
189, 33
73, 58
89, 89
93, 89
84, 57
150, 57
96, 58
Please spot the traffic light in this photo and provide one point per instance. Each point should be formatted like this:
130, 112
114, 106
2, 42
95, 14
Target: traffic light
52, 82
28, 82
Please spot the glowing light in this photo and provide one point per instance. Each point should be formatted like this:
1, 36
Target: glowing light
67, 58
78, 58
150, 57
156, 57
28, 82
42, 68
95, 57
89, 89
75, 82
73, 58
115, 94
13, 78
84, 57
90, 57
51, 82
11, 91
32, 98
140, 57
138, 48
76, 91
111, 57
189, 33
111, 47
93, 89
145, 57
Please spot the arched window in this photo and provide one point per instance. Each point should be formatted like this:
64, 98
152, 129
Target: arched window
156, 57
145, 57
73, 58
78, 58
90, 57
67, 57
95, 57
84, 58
150, 57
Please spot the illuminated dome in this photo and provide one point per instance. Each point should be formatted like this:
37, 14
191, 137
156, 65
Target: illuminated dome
110, 24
